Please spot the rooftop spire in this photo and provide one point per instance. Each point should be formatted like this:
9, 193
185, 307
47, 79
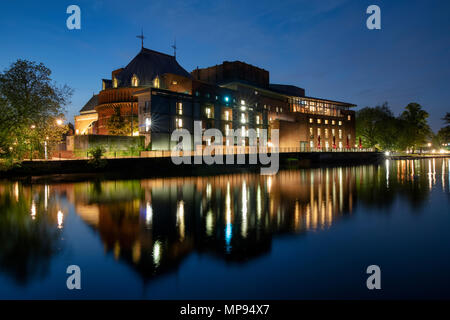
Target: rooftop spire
174, 46
142, 38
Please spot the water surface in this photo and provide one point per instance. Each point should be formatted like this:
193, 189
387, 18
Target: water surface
302, 234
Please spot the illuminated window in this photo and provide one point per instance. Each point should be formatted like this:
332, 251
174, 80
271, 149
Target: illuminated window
243, 102
326, 121
333, 132
311, 132
243, 131
156, 82
257, 120
227, 129
311, 144
243, 120
326, 133
148, 123
179, 123
227, 115
174, 82
319, 121
340, 123
349, 117
115, 82
311, 120
333, 122
340, 134
134, 81
179, 108
208, 113
257, 132
318, 131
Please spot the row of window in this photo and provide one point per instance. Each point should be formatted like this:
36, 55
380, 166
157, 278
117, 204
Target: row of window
319, 131
326, 121
327, 144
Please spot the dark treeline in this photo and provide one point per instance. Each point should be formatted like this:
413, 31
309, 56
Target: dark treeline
379, 128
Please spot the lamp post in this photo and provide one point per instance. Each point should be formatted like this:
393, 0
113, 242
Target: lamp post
31, 143
45, 148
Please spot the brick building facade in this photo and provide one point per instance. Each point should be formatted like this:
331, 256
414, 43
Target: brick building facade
162, 97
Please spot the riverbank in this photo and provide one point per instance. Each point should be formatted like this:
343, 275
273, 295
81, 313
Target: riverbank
129, 168
417, 156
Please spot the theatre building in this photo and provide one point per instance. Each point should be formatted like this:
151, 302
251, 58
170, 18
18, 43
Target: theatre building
159, 96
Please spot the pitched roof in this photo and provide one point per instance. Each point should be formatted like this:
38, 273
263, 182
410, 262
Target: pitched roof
91, 104
147, 65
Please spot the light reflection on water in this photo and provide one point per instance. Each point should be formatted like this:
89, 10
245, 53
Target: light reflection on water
153, 225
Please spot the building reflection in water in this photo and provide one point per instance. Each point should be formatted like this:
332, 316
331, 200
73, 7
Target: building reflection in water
154, 224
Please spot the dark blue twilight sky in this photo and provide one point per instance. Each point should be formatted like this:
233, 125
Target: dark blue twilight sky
321, 45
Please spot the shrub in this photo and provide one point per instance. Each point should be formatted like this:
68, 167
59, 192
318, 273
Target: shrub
95, 157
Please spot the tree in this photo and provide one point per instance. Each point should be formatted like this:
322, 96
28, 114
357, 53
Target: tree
376, 126
443, 135
447, 119
117, 124
30, 105
417, 129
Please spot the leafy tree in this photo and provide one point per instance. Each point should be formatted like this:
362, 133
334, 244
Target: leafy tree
417, 129
30, 105
372, 124
447, 119
117, 124
443, 135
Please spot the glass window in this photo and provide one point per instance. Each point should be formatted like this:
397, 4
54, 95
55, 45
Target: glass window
156, 82
179, 108
179, 122
134, 81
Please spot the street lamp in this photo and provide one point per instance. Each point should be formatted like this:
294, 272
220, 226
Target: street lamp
45, 148
59, 122
31, 143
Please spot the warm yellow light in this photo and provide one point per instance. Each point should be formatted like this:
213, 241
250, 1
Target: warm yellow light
59, 122
60, 218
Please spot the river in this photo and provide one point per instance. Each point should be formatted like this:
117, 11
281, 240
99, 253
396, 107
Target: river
301, 234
